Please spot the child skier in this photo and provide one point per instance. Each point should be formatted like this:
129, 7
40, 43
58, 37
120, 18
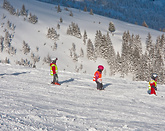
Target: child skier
54, 71
153, 84
98, 77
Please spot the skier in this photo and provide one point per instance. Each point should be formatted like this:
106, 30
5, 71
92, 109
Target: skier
98, 77
54, 71
153, 84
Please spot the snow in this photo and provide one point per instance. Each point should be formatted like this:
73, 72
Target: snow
29, 102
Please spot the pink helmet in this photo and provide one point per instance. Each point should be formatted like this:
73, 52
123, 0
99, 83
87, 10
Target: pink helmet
101, 67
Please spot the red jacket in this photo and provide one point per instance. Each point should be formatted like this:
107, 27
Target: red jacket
153, 85
53, 68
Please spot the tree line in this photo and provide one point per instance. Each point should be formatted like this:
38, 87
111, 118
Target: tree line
131, 59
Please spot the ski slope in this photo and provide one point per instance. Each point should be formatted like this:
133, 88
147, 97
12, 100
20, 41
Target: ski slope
29, 102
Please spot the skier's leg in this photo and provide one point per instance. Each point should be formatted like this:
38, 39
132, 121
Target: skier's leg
54, 78
153, 91
101, 86
97, 84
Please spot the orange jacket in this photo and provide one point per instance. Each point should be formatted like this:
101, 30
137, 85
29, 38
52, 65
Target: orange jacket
97, 75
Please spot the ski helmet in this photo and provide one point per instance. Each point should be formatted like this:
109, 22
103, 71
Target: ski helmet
54, 60
101, 67
154, 76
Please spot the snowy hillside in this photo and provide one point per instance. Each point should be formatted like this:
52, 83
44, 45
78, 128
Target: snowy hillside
28, 102
35, 35
132, 11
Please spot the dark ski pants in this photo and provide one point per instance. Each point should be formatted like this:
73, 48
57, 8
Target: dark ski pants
99, 85
55, 78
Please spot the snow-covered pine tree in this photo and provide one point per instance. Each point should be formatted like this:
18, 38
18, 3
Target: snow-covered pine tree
32, 55
13, 27
55, 46
73, 47
97, 43
75, 57
138, 44
73, 53
12, 10
111, 27
35, 59
111, 56
81, 53
5, 4
58, 26
7, 61
162, 46
136, 59
71, 14
150, 52
136, 64
25, 48
1, 43
90, 50
104, 50
145, 68
61, 20
91, 12
12, 50
74, 30
85, 37
131, 47
148, 43
17, 12
85, 9
8, 24
23, 11
6, 41
159, 64
118, 63
58, 9
144, 24
33, 19
9, 7
52, 34
47, 59
81, 67
124, 55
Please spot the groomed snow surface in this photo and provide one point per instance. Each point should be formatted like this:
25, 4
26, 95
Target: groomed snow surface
29, 102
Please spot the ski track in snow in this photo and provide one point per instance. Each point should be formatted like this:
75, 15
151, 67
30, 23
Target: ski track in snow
29, 102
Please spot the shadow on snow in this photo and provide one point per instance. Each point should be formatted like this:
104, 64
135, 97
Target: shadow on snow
67, 81
15, 74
